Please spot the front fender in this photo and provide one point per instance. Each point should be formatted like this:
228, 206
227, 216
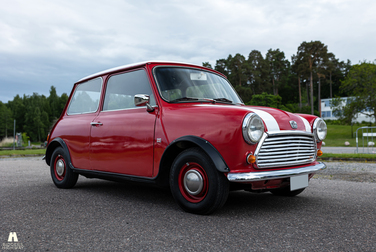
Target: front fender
189, 141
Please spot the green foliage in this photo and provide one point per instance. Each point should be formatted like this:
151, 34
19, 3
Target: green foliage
274, 74
266, 100
34, 114
245, 93
36, 152
25, 138
278, 68
6, 121
361, 82
207, 64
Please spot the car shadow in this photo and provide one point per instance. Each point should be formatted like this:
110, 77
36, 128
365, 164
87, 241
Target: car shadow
238, 202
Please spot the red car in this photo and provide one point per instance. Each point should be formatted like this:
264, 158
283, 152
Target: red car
182, 126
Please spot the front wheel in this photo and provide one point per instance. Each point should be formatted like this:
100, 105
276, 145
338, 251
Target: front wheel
195, 183
62, 175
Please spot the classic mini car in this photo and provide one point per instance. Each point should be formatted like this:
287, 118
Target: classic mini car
182, 126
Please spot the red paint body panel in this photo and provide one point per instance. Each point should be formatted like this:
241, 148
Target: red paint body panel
75, 131
124, 143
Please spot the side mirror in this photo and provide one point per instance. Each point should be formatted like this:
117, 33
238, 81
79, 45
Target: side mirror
141, 100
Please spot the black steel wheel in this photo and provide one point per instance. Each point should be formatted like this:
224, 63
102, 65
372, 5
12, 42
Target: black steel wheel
62, 175
196, 185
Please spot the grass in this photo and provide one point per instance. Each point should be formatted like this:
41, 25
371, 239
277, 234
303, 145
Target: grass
339, 134
21, 153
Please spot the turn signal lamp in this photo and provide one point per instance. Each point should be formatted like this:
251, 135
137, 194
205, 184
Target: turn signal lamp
319, 153
251, 159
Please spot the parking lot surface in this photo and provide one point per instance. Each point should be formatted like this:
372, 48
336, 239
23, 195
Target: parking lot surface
333, 214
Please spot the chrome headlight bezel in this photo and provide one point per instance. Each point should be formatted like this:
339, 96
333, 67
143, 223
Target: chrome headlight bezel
320, 129
252, 123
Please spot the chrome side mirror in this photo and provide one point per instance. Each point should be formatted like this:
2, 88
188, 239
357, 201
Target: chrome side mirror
141, 100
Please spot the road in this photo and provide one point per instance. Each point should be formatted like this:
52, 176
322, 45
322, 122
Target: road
330, 215
350, 150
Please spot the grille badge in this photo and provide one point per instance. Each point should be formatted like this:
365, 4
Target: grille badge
293, 124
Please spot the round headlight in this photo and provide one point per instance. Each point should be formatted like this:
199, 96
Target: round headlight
319, 129
253, 128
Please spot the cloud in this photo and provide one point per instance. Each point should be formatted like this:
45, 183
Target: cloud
46, 43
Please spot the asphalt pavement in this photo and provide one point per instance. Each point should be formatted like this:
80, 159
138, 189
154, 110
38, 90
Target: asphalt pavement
332, 214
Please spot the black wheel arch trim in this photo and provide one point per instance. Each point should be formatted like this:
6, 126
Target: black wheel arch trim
205, 145
57, 142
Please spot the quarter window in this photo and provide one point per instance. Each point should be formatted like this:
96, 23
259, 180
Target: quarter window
122, 88
86, 97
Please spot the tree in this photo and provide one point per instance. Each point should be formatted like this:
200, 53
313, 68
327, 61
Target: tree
361, 82
18, 109
301, 72
221, 66
53, 102
207, 64
278, 67
6, 120
238, 69
257, 73
312, 56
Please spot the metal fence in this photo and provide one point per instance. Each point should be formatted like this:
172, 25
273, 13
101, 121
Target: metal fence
367, 140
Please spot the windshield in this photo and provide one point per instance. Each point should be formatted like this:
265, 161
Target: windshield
187, 84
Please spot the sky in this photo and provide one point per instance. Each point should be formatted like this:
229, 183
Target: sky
46, 43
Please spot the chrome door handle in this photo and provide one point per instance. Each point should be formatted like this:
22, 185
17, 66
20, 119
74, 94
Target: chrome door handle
96, 124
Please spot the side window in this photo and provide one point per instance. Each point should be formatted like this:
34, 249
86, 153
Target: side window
86, 97
122, 88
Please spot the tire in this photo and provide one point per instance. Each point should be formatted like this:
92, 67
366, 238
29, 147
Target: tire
196, 185
61, 174
285, 191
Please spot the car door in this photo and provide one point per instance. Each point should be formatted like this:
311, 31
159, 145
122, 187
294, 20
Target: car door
75, 128
122, 135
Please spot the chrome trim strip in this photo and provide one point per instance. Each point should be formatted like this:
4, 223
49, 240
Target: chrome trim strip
289, 132
290, 163
268, 175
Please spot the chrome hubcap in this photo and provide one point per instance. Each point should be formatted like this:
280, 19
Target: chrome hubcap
60, 167
193, 182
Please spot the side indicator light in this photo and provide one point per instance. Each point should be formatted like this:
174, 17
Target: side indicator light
251, 159
319, 153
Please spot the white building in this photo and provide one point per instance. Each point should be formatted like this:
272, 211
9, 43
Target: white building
327, 112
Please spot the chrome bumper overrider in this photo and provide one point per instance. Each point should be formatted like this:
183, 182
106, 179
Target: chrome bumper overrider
268, 175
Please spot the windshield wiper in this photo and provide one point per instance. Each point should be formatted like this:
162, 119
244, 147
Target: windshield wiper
222, 100
202, 99
184, 99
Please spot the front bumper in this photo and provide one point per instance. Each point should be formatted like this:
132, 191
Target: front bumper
269, 175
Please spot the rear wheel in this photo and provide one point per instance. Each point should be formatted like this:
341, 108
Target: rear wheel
195, 183
285, 191
62, 175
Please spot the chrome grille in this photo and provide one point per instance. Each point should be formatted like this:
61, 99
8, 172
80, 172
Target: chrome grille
286, 149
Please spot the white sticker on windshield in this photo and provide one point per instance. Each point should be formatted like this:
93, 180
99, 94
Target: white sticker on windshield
199, 76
